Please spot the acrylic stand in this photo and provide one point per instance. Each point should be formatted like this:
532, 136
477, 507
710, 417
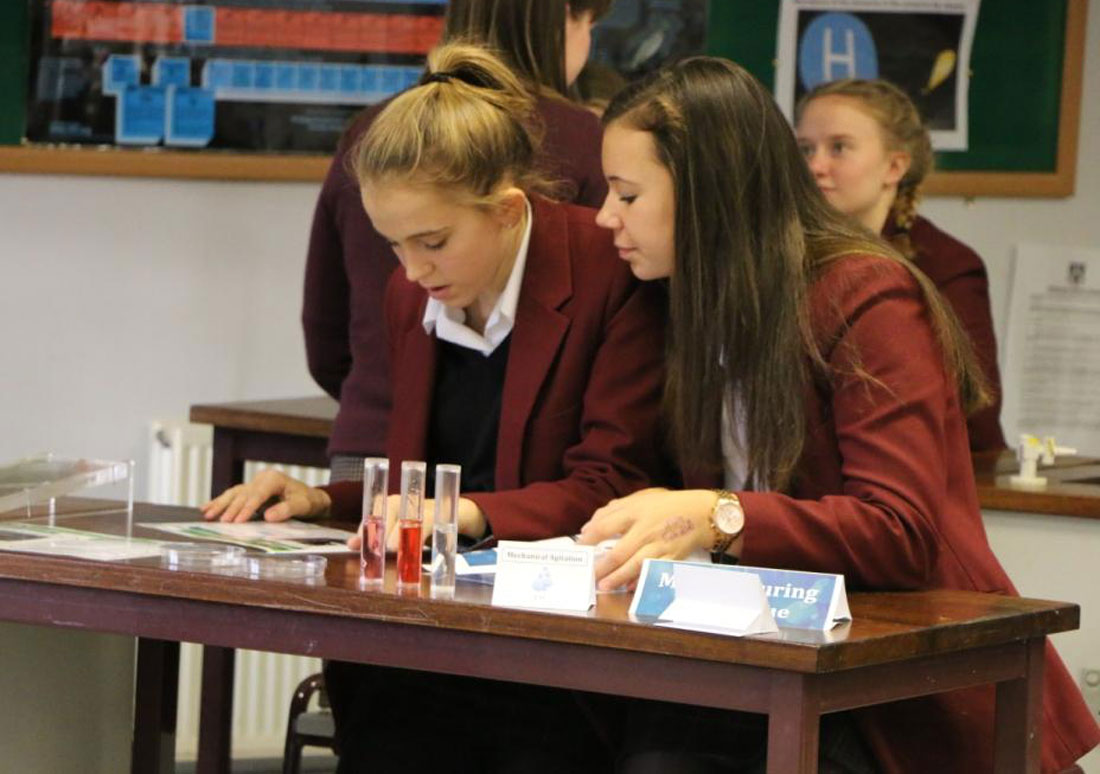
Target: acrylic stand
29, 487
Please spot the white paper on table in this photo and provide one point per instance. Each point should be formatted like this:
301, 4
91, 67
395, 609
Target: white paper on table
537, 576
474, 562
272, 537
61, 541
729, 603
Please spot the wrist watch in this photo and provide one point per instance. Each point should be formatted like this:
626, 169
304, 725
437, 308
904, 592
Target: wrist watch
727, 521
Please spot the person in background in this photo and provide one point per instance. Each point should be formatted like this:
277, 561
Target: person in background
545, 43
523, 350
869, 153
597, 84
816, 387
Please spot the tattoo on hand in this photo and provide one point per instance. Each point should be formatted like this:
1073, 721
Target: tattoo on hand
677, 526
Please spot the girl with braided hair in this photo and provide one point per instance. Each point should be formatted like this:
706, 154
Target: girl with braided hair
869, 153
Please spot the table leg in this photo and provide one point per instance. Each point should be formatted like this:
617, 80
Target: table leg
153, 749
1017, 741
216, 711
794, 723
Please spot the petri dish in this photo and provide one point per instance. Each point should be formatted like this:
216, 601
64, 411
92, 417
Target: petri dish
309, 567
201, 557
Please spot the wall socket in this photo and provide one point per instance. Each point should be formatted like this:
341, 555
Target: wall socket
1090, 687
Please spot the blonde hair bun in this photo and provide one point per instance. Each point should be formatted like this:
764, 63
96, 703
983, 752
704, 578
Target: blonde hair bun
470, 125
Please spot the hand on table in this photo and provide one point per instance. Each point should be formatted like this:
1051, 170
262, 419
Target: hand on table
653, 524
239, 502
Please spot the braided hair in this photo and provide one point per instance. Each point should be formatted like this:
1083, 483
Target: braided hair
903, 130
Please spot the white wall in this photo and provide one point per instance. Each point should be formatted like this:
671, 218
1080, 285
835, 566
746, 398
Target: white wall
1054, 557
994, 226
67, 699
125, 300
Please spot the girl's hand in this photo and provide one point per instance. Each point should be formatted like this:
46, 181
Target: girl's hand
239, 502
653, 524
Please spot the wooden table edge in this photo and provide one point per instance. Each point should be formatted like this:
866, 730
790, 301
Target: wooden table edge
261, 421
797, 657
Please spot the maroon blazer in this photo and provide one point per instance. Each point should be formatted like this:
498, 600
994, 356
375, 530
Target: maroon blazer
960, 276
884, 493
348, 265
580, 405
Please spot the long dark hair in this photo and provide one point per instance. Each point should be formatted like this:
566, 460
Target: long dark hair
752, 234
528, 34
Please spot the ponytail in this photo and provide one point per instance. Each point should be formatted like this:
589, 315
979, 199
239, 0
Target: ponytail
470, 125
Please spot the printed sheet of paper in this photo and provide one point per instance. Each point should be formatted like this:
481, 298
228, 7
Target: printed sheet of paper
1051, 365
61, 541
923, 46
284, 537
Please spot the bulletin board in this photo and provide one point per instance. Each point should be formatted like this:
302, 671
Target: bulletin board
1025, 91
1026, 73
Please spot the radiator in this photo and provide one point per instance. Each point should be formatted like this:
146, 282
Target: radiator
179, 474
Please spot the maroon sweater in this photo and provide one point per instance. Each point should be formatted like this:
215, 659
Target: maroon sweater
960, 276
349, 264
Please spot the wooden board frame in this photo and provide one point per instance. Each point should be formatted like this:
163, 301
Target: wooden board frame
212, 165
1063, 180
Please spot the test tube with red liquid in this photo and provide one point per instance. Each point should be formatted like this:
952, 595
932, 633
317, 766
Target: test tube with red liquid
372, 554
410, 519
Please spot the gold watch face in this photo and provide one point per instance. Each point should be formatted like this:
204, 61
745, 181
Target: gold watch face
728, 517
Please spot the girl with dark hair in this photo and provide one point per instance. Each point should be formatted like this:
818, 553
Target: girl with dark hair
816, 391
869, 153
545, 44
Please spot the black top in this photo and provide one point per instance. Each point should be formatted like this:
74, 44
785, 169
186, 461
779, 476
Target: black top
465, 414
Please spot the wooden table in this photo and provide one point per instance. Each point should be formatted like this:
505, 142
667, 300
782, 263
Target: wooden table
899, 645
294, 431
1073, 486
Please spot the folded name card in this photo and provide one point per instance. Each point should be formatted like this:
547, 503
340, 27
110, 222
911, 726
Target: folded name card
544, 577
691, 595
798, 600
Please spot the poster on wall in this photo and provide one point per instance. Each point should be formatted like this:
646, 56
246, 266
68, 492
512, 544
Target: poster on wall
923, 46
639, 36
255, 75
1051, 354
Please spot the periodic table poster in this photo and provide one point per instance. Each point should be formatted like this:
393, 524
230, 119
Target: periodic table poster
253, 75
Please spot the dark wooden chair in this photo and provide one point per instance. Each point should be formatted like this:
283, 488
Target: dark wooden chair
303, 727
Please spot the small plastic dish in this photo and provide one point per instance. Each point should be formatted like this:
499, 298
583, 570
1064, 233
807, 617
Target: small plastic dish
309, 567
202, 557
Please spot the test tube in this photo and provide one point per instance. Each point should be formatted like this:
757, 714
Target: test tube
372, 553
409, 522
445, 530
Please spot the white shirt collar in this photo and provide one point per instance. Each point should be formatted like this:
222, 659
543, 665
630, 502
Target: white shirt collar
450, 324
